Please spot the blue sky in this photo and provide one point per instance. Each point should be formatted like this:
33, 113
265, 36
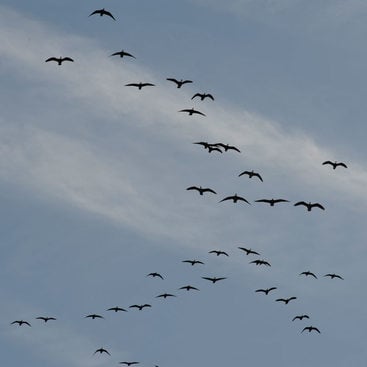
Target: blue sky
93, 177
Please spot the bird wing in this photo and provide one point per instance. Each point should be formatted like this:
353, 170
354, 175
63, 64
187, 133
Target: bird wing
209, 96
243, 199
209, 190
207, 278
263, 201
186, 81
280, 201
109, 14
227, 198
132, 85
261, 290
280, 300
259, 176
296, 317
197, 95
67, 59
99, 11
173, 80
271, 289
198, 112
52, 59
234, 148
116, 53
193, 188
317, 205
301, 203
244, 173
290, 298
328, 162
342, 164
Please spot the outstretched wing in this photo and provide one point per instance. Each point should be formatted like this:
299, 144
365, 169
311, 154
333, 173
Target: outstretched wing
328, 162
317, 205
208, 190
342, 164
197, 95
301, 203
52, 59
198, 112
173, 80
108, 14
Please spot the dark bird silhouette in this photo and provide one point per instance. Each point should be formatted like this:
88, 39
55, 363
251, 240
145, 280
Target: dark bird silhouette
310, 328
201, 190
205, 144
165, 295
300, 317
203, 96
260, 262
122, 53
218, 252
102, 350
140, 307
214, 279
308, 273
189, 287
335, 164
192, 111
45, 319
285, 300
20, 322
102, 12
227, 147
154, 275
139, 85
116, 309
271, 201
309, 206
59, 60
235, 198
94, 316
332, 276
248, 251
214, 149
266, 291
129, 363
179, 83
251, 174
193, 262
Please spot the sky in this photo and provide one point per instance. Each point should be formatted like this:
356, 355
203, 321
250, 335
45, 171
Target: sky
93, 178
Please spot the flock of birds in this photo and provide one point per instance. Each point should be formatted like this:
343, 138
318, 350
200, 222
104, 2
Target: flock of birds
210, 147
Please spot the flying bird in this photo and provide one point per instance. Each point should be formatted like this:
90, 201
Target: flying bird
310, 328
59, 60
179, 83
214, 279
192, 111
201, 190
140, 307
193, 262
165, 295
285, 300
45, 319
332, 276
116, 309
214, 149
154, 275
266, 291
102, 12
129, 363
139, 85
335, 164
203, 96
271, 201
309, 205
102, 350
235, 198
227, 147
218, 252
20, 322
94, 316
189, 287
300, 317
122, 53
248, 251
251, 174
308, 273
260, 262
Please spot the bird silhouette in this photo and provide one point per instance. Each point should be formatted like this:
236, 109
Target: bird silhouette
116, 309
154, 275
20, 322
214, 149
165, 295
285, 300
129, 363
251, 174
139, 85
227, 147
102, 12
94, 316
300, 317
201, 190
179, 83
189, 287
45, 319
102, 350
59, 60
203, 96
248, 251
218, 252
214, 279
260, 262
332, 276
205, 144
193, 262
271, 201
192, 111
308, 273
123, 53
310, 328
235, 198
140, 307
335, 164
309, 205
266, 291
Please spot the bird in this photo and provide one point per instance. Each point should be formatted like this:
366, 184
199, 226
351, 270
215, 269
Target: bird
336, 164
94, 316
116, 309
189, 287
260, 262
102, 12
154, 275
179, 83
308, 273
45, 319
193, 262
203, 96
102, 350
271, 201
266, 291
129, 363
227, 147
201, 190
20, 322
192, 111
139, 85
165, 295
285, 300
309, 205
251, 174
214, 149
218, 252
310, 328
235, 198
122, 53
205, 144
214, 279
332, 276
300, 317
59, 60
249, 251
140, 307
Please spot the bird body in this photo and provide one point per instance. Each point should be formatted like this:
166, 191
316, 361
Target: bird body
60, 59
139, 85
285, 300
192, 111
266, 291
332, 276
20, 322
193, 262
129, 363
248, 251
102, 350
218, 252
116, 309
179, 83
140, 307
300, 317
336, 164
203, 96
155, 275
271, 202
260, 262
214, 279
308, 273
94, 316
189, 287
122, 53
45, 319
102, 12
201, 190
165, 295
251, 174
310, 328
309, 205
235, 198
